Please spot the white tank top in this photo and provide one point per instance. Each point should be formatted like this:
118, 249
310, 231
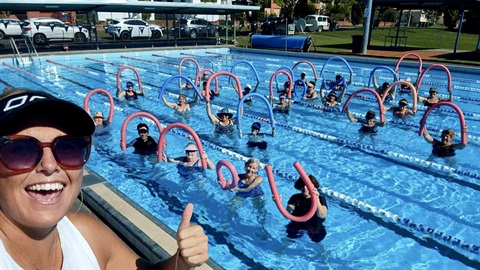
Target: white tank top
77, 253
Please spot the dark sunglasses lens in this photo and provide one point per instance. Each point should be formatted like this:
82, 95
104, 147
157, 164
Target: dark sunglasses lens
71, 152
20, 154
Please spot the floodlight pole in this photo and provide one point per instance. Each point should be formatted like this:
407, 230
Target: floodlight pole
366, 26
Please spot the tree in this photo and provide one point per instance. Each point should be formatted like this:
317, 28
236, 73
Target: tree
339, 9
357, 13
432, 16
390, 15
450, 18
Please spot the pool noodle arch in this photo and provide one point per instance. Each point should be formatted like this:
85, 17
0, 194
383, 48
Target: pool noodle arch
221, 180
295, 85
449, 78
290, 80
110, 98
182, 77
372, 73
209, 61
248, 64
278, 200
119, 87
420, 64
162, 140
379, 100
308, 63
410, 85
200, 72
239, 110
337, 83
343, 79
123, 135
214, 76
284, 68
187, 59
463, 125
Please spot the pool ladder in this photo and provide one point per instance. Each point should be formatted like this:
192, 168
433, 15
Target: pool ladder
19, 59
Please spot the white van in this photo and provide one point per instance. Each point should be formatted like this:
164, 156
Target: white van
318, 23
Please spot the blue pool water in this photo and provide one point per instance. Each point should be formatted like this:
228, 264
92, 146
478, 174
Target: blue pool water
382, 194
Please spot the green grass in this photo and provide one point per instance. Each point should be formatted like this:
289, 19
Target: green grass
418, 39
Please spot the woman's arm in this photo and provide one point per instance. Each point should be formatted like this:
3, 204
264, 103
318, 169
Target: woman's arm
120, 94
141, 93
321, 209
194, 102
169, 104
351, 118
427, 136
375, 83
342, 94
252, 185
213, 119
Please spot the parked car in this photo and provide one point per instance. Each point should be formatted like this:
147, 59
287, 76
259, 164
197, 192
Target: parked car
43, 30
10, 28
323, 23
127, 28
194, 27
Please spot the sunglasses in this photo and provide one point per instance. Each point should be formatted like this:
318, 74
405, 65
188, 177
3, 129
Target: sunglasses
190, 151
143, 132
23, 153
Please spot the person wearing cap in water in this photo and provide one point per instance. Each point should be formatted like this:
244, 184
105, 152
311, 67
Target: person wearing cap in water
311, 94
382, 89
130, 93
330, 100
368, 124
303, 78
400, 111
432, 98
191, 158
256, 139
144, 144
404, 88
246, 90
223, 121
339, 86
283, 106
42, 157
99, 119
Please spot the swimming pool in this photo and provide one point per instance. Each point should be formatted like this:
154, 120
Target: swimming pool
388, 207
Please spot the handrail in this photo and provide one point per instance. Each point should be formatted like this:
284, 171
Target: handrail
33, 49
16, 52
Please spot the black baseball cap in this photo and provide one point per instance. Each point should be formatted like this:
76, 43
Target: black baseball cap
24, 108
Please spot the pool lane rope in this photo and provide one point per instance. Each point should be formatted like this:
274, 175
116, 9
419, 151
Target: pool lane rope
361, 205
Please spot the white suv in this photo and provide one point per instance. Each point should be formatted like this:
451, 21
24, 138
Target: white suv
42, 30
128, 28
10, 28
319, 23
